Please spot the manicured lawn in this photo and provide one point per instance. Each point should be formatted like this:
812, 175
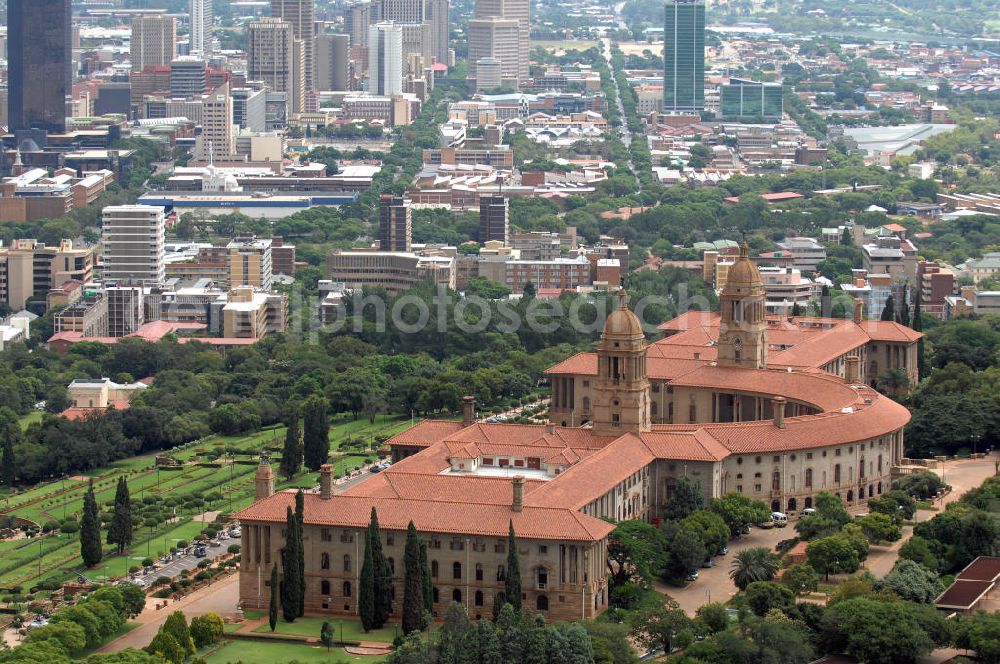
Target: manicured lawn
311, 625
55, 500
33, 416
262, 652
568, 45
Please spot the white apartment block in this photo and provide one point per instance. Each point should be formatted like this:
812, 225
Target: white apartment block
201, 27
132, 241
385, 59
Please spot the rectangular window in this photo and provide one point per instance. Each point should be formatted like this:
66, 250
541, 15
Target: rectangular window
739, 488
542, 549
757, 488
325, 535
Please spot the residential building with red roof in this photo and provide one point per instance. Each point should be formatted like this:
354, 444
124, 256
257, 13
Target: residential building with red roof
777, 410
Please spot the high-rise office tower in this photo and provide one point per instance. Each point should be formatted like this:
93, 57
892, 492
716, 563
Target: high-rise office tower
302, 15
437, 13
332, 61
217, 137
400, 11
275, 57
153, 42
385, 59
201, 27
38, 64
493, 223
250, 263
357, 18
684, 56
395, 226
495, 39
187, 77
132, 240
517, 10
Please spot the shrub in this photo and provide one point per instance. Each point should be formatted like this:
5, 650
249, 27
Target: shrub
182, 544
147, 562
69, 527
202, 564
49, 526
202, 576
161, 581
233, 548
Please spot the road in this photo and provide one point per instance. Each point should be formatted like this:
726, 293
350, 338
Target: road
714, 584
220, 597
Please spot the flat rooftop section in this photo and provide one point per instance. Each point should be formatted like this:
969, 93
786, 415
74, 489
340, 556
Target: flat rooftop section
903, 140
508, 472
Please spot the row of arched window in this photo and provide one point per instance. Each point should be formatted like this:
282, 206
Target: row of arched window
478, 598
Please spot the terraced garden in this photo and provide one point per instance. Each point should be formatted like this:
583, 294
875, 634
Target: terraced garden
215, 474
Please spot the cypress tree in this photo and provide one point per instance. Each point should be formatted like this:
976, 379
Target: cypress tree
300, 548
918, 325
845, 237
291, 456
427, 583
366, 587
316, 432
7, 463
796, 309
10, 434
382, 575
889, 311
90, 529
512, 585
120, 528
904, 312
290, 587
272, 612
413, 584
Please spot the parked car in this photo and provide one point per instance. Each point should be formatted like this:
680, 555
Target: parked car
722, 550
693, 576
780, 519
809, 511
708, 562
200, 552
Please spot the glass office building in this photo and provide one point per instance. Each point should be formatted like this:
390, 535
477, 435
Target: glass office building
751, 100
39, 53
684, 56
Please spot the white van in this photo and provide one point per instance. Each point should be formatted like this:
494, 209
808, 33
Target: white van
780, 519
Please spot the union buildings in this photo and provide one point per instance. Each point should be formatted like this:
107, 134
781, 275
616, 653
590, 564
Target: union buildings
777, 409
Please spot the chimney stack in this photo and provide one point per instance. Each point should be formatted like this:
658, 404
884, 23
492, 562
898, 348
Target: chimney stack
550, 427
852, 372
859, 310
264, 480
468, 411
326, 481
778, 405
517, 503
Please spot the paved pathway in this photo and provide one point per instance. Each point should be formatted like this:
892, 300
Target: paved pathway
220, 597
714, 584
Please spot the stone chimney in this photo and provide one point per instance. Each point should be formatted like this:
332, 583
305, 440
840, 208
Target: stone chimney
859, 310
326, 481
264, 480
468, 411
778, 406
517, 502
852, 371
550, 427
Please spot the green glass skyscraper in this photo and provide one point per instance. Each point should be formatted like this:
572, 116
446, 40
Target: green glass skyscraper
684, 56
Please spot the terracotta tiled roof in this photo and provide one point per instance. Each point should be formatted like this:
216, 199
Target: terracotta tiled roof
880, 330
348, 511
685, 446
425, 433
441, 488
822, 390
582, 363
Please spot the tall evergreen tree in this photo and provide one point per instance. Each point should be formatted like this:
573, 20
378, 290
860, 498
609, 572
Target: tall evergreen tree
316, 432
120, 529
90, 529
427, 584
845, 237
290, 589
272, 612
10, 435
917, 326
512, 585
291, 456
889, 311
366, 587
382, 583
796, 309
904, 312
413, 585
300, 548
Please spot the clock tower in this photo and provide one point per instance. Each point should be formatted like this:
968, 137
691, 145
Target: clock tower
743, 327
621, 391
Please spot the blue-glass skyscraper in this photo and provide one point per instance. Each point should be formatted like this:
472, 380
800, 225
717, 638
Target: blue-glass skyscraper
684, 56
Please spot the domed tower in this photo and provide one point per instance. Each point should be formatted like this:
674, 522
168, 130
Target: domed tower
743, 328
621, 391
